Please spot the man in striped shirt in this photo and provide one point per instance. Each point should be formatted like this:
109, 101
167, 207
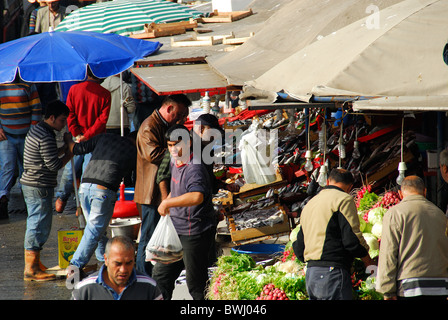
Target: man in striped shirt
20, 108
41, 162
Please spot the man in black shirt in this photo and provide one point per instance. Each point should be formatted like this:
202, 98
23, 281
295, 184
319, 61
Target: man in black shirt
113, 157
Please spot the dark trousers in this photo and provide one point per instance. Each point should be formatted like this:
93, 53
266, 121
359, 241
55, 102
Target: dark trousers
195, 261
328, 283
150, 218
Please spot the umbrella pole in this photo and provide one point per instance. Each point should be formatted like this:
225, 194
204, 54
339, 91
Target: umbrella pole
121, 105
79, 213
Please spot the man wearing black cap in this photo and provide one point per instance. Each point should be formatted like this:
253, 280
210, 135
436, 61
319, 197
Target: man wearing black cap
206, 132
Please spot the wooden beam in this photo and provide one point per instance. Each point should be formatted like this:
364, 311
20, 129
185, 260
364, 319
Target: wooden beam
153, 61
289, 105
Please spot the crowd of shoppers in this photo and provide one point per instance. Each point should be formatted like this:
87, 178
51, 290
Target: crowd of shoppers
413, 257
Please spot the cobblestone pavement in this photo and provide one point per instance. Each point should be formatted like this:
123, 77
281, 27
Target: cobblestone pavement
12, 232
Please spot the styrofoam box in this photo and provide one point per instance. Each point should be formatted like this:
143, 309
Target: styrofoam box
230, 5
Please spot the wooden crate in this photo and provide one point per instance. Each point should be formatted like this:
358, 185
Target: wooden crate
155, 30
196, 41
251, 186
224, 17
225, 201
234, 41
252, 233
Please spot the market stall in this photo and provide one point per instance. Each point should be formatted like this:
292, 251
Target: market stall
370, 145
328, 125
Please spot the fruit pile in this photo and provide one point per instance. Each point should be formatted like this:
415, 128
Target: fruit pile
270, 292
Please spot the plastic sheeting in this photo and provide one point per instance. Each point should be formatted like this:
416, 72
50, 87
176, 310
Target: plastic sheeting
400, 56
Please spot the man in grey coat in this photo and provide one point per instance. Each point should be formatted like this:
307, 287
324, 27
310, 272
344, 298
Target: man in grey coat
413, 259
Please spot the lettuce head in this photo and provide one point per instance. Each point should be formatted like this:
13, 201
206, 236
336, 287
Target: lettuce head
375, 215
373, 244
376, 229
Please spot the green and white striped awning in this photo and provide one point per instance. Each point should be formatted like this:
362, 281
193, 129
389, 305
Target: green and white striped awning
125, 16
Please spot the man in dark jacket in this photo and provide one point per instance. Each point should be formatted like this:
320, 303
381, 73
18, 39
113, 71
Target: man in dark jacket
151, 148
329, 239
113, 157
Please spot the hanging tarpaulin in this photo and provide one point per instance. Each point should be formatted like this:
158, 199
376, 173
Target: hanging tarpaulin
404, 103
402, 56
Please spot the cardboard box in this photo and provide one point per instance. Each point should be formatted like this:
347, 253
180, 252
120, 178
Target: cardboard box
68, 241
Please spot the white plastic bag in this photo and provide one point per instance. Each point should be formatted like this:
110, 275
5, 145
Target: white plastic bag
256, 157
164, 245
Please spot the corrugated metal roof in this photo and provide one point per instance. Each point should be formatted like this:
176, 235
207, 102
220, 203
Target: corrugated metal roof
187, 78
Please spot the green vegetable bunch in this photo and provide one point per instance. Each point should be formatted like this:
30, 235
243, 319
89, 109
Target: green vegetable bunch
238, 277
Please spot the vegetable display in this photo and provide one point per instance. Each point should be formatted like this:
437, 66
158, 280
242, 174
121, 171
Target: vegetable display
238, 277
371, 210
270, 292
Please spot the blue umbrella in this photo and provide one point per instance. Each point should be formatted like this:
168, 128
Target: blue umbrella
64, 56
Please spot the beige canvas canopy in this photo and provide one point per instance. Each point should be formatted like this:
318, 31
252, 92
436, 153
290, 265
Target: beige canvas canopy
401, 57
294, 25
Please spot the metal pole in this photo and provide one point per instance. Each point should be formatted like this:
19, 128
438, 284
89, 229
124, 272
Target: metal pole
121, 105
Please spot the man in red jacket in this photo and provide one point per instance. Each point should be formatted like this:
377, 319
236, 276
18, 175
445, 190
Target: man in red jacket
89, 105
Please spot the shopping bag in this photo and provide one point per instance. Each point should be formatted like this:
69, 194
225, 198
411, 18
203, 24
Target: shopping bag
164, 245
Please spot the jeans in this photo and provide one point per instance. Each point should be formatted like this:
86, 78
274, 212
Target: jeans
11, 157
150, 218
328, 283
40, 216
195, 261
98, 207
66, 182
